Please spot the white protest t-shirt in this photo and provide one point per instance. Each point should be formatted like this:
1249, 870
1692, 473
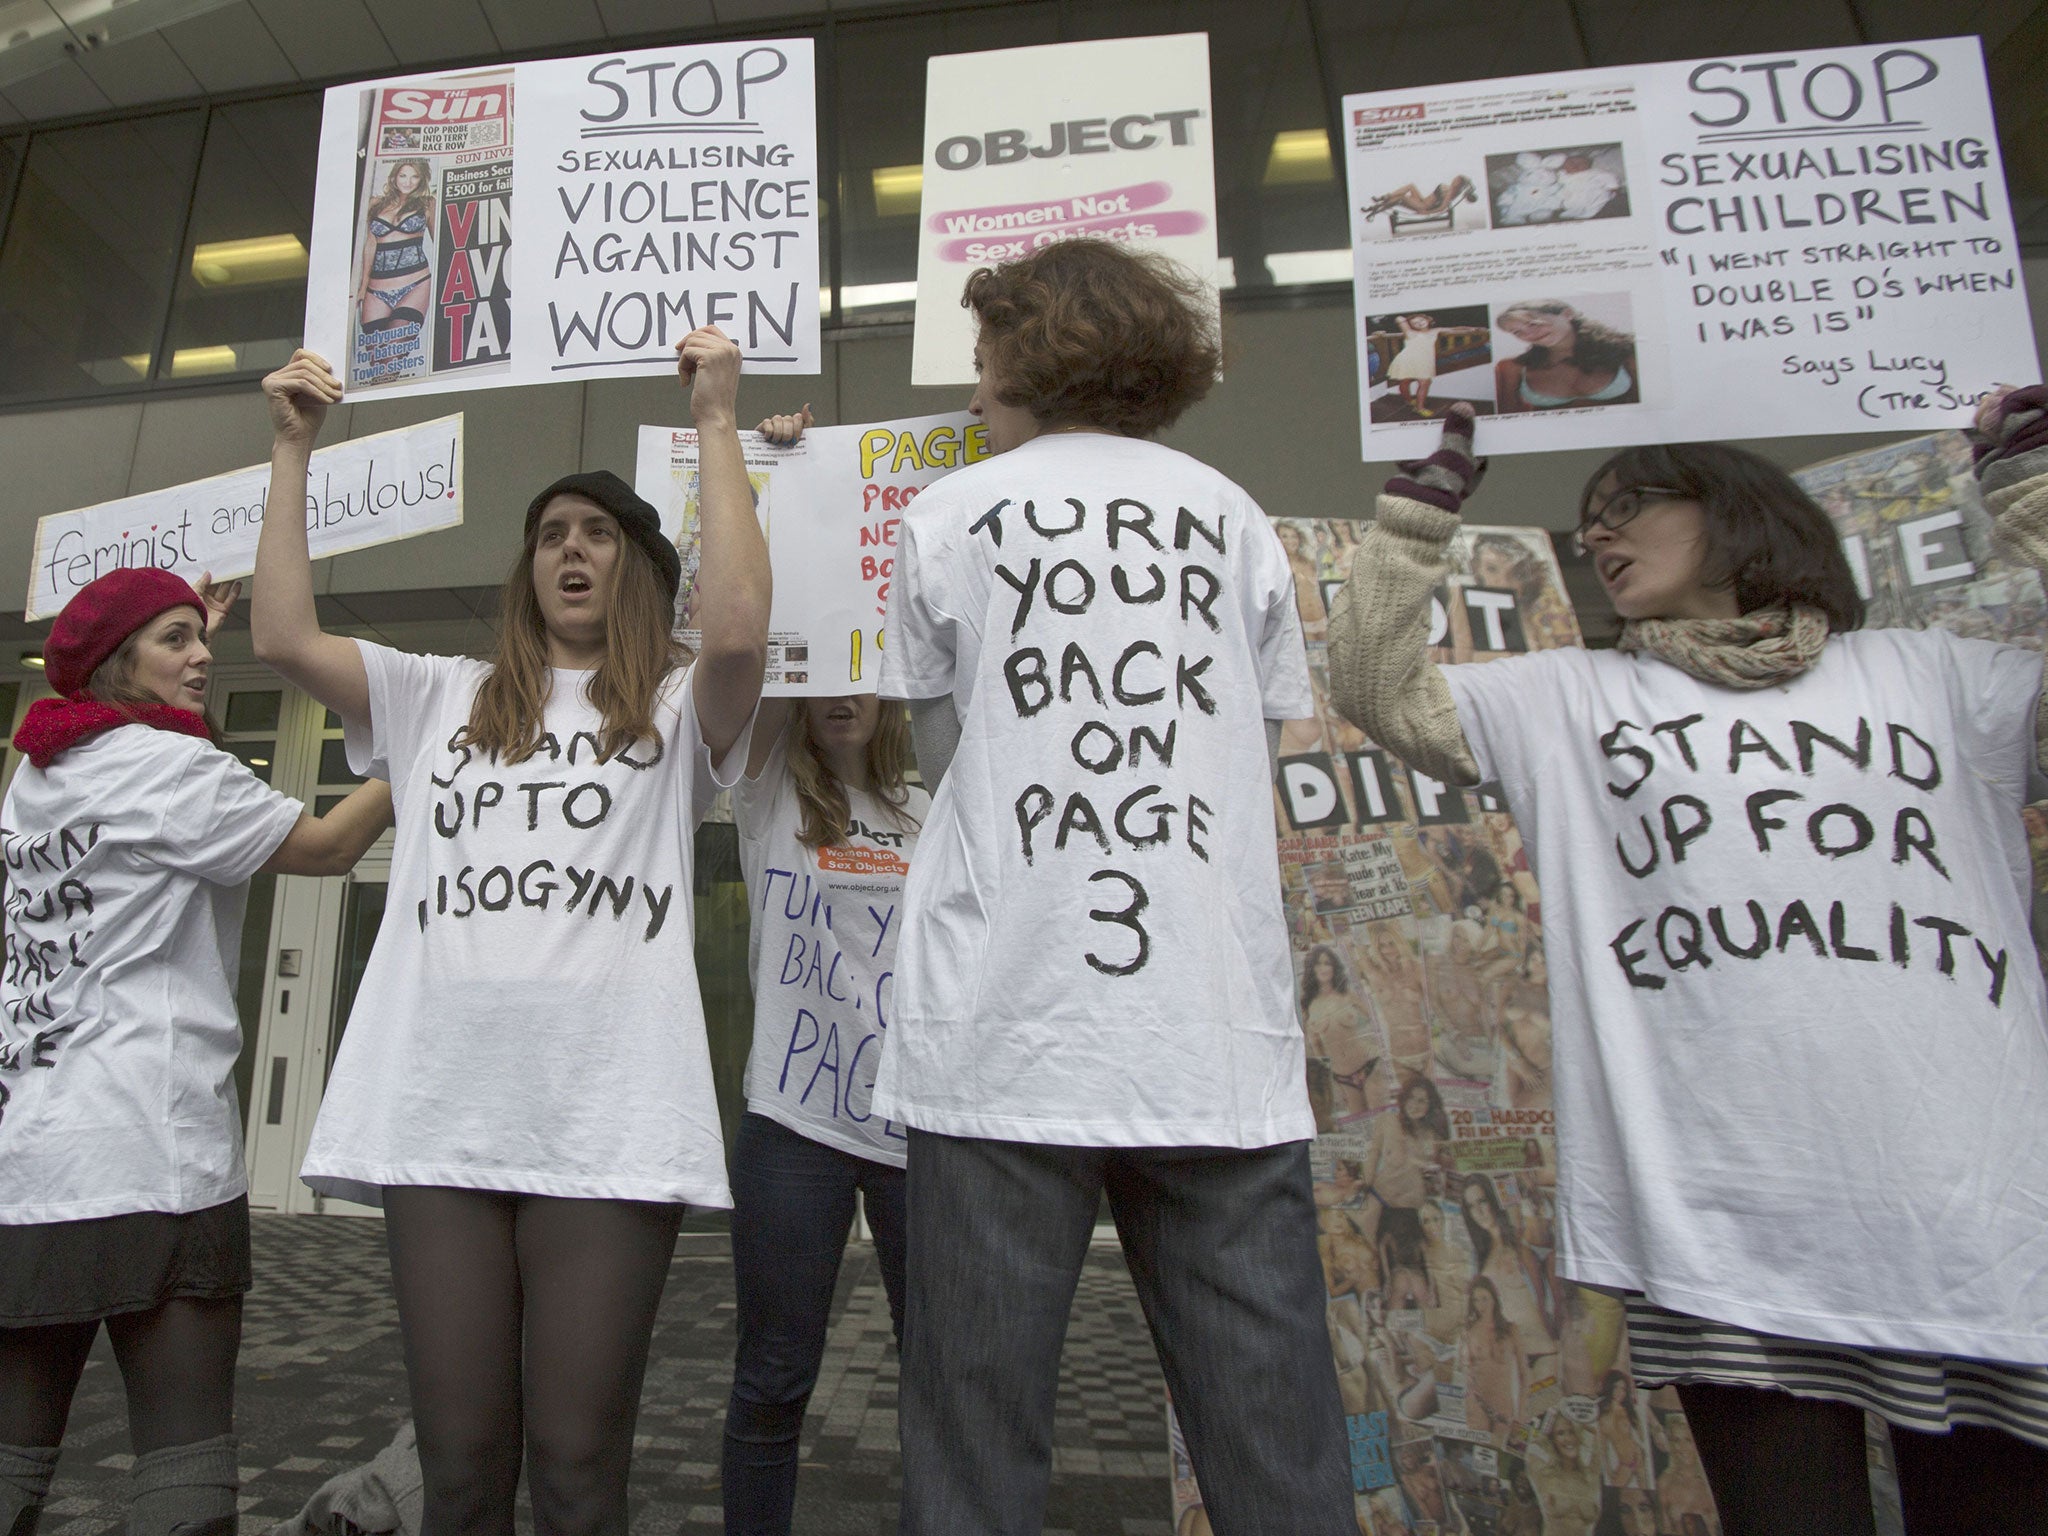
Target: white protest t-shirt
126, 868
1093, 948
529, 1019
1801, 1050
822, 951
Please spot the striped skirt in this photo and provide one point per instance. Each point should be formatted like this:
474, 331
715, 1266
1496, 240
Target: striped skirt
1929, 1393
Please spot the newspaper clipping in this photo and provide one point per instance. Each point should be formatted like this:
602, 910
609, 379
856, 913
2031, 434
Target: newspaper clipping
433, 231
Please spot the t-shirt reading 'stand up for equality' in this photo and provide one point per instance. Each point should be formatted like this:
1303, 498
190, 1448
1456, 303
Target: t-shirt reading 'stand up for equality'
530, 1019
126, 868
1093, 948
822, 951
1800, 1041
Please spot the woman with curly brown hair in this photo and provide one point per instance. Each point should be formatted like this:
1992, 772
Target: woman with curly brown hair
1094, 991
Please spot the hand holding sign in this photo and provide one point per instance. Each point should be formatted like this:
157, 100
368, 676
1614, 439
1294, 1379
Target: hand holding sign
298, 395
1447, 477
785, 430
708, 363
218, 599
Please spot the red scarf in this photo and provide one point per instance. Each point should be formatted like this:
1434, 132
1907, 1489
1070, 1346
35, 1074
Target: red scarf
51, 726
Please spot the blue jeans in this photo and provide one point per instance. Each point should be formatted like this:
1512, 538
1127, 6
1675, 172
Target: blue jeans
1222, 1248
792, 1212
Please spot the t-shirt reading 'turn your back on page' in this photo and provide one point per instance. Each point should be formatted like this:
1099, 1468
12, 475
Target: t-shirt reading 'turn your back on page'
1093, 948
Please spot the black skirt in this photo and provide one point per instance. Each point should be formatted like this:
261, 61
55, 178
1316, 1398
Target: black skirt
80, 1271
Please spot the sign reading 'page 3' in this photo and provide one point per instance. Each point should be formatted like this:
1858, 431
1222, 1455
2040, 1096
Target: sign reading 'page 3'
1107, 140
1814, 241
641, 196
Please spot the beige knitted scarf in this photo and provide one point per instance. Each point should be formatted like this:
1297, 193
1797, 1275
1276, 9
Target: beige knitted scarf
1758, 650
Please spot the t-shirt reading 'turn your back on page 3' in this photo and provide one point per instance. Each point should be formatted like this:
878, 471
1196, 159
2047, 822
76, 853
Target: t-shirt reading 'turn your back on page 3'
1093, 949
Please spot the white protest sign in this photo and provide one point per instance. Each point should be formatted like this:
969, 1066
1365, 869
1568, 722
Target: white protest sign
1108, 140
830, 505
394, 485
567, 218
1801, 242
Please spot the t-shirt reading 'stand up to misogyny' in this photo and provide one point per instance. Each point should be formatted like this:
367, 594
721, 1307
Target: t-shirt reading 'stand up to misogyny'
529, 1020
126, 868
1801, 1053
1093, 947
822, 950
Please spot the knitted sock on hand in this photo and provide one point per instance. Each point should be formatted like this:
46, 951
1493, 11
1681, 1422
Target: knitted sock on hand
25, 1473
1449, 475
185, 1490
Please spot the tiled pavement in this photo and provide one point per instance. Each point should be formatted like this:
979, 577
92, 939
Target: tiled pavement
322, 1388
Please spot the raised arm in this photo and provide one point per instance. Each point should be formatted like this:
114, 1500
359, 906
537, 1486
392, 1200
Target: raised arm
773, 714
1381, 680
733, 586
331, 844
284, 626
2011, 439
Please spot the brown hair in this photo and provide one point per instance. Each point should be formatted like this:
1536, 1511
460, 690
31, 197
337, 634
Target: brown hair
113, 680
1594, 345
822, 803
1087, 332
1766, 538
393, 201
640, 651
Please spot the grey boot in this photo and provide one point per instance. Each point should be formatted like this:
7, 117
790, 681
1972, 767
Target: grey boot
25, 1473
185, 1490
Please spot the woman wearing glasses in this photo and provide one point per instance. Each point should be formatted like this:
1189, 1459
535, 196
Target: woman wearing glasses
1799, 1019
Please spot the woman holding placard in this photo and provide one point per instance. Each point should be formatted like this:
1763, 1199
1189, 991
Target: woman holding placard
525, 1085
828, 826
1789, 927
1094, 993
129, 840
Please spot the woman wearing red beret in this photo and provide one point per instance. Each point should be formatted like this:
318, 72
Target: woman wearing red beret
128, 838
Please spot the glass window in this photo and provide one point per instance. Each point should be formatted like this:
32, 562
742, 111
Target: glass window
256, 710
86, 270
334, 763
880, 111
241, 295
10, 162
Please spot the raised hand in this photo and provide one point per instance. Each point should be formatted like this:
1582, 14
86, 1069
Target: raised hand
708, 364
218, 599
1449, 475
784, 430
298, 395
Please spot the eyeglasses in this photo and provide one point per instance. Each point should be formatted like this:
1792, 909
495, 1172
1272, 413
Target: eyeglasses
1623, 507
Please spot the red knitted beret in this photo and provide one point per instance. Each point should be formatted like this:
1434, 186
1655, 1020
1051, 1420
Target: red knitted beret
104, 613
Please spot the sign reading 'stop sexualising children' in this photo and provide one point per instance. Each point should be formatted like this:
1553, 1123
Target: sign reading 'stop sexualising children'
642, 195
1109, 140
1806, 242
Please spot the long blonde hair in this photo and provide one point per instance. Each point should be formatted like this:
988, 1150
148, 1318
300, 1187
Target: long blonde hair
640, 651
822, 803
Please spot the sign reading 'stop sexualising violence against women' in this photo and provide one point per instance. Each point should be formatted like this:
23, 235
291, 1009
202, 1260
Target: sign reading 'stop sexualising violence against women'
642, 195
1108, 140
831, 505
373, 490
1805, 242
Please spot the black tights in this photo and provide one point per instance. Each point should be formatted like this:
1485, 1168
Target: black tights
526, 1321
1795, 1465
177, 1365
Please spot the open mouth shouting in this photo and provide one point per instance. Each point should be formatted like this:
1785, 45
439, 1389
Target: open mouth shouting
574, 584
1610, 567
